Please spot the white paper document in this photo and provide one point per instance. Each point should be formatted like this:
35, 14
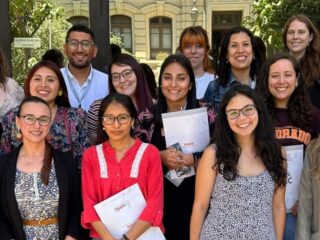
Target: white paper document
121, 210
295, 164
189, 129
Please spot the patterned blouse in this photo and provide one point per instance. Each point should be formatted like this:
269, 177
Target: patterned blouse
241, 209
10, 97
37, 201
68, 132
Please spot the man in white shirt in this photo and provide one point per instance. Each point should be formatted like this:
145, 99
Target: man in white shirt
85, 84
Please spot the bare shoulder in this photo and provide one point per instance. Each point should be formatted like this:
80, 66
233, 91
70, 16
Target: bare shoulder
209, 155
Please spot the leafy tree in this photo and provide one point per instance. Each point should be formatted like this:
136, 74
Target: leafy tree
269, 16
31, 18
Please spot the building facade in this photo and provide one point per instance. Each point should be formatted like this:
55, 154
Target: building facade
150, 29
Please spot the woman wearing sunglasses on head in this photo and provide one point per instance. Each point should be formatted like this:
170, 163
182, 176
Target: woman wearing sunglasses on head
126, 161
39, 186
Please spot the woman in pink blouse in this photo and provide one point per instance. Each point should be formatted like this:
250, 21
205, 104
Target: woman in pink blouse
120, 161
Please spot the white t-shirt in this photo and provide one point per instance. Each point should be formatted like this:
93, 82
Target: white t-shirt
202, 83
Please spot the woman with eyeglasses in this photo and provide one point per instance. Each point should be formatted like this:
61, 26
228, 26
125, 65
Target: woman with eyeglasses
177, 92
296, 121
68, 131
127, 77
241, 176
39, 186
127, 161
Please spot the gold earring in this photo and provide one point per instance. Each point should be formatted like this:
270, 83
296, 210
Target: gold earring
60, 93
18, 134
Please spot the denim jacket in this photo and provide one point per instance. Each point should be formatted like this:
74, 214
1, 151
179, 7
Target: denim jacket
215, 90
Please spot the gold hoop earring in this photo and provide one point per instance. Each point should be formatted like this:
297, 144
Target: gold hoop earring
60, 93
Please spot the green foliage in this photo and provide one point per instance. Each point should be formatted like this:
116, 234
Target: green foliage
115, 39
269, 16
35, 19
162, 56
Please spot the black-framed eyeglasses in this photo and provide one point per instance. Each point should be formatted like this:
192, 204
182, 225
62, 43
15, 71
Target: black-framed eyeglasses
246, 111
110, 119
30, 120
85, 44
126, 74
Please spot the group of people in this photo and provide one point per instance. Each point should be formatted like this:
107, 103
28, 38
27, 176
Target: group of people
76, 137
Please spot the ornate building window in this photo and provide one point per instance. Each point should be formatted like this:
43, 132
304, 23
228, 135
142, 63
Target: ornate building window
121, 27
160, 36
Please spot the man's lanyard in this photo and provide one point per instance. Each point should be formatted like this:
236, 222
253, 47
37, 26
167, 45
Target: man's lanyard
74, 91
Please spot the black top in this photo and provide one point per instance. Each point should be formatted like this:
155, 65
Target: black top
70, 204
314, 93
178, 201
289, 134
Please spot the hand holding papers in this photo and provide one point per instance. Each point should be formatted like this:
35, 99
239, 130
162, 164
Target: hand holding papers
189, 130
121, 210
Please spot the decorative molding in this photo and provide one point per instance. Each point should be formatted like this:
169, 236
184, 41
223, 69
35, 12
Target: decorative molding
160, 8
77, 8
119, 6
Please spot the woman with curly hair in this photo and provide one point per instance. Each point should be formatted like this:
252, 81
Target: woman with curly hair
238, 63
302, 41
242, 176
296, 121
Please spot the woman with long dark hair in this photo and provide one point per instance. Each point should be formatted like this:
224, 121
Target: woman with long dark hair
126, 161
177, 91
242, 176
68, 131
239, 62
296, 121
39, 186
